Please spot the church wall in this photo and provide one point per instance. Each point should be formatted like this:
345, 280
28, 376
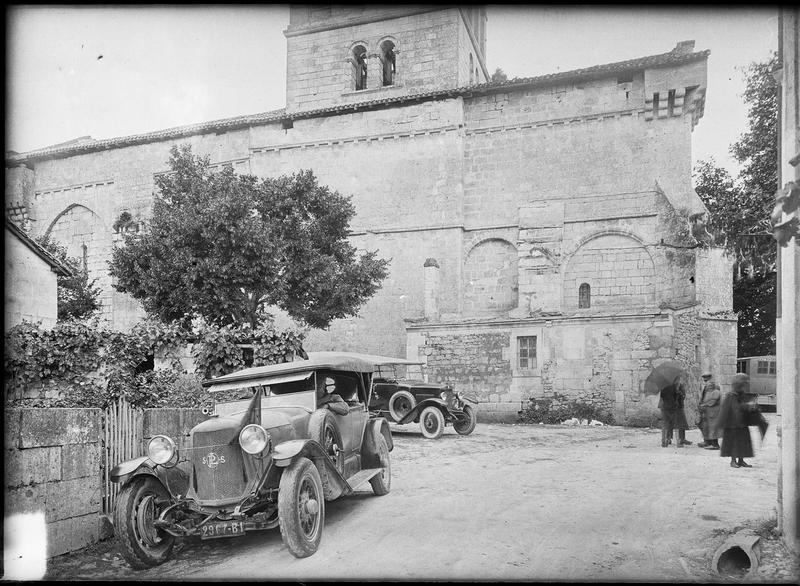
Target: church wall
602, 362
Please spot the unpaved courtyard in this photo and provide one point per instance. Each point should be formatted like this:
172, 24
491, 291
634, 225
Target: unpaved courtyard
510, 502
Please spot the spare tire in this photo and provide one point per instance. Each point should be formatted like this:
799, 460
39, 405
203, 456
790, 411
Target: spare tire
400, 404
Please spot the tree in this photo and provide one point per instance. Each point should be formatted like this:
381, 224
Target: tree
226, 247
499, 75
78, 297
739, 211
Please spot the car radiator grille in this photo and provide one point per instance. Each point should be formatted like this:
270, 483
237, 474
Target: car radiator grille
218, 466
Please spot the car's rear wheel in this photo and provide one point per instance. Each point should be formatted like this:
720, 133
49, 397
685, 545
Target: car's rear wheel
139, 503
301, 508
466, 425
382, 482
431, 421
400, 404
323, 430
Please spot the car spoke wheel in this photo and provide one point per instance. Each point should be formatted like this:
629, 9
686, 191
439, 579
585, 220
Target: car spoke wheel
431, 421
400, 404
382, 482
138, 505
301, 508
466, 425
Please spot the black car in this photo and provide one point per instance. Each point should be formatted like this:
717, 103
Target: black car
283, 440
401, 394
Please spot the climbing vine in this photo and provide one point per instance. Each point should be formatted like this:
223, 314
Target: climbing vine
84, 364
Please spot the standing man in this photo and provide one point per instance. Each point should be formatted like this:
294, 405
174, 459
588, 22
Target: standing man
709, 406
733, 419
680, 415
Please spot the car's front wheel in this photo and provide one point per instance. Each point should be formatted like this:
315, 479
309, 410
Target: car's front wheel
466, 425
139, 503
382, 482
301, 508
431, 421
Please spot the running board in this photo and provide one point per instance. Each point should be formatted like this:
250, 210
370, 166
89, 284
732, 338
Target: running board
361, 477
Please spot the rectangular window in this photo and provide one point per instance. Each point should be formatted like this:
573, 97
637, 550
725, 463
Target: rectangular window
763, 367
741, 366
772, 367
526, 352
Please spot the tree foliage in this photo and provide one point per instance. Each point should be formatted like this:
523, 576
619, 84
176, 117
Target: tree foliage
226, 247
78, 296
499, 75
739, 211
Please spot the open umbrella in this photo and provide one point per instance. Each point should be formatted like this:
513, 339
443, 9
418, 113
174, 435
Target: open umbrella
662, 376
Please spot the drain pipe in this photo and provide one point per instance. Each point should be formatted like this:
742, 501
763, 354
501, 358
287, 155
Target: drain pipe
738, 556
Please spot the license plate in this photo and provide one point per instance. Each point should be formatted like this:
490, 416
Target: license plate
221, 529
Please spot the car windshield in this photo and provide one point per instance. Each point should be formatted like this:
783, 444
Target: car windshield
296, 390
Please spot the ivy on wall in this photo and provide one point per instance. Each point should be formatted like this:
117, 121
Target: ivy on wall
84, 364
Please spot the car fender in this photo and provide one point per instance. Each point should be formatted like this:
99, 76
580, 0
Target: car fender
285, 453
174, 479
369, 447
432, 402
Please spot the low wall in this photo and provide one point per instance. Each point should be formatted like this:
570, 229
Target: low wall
53, 466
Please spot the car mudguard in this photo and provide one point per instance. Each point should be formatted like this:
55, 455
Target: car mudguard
369, 447
285, 453
174, 479
412, 415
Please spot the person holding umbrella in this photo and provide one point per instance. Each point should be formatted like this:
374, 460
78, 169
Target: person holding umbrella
667, 379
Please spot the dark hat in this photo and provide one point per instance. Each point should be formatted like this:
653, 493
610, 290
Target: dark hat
706, 374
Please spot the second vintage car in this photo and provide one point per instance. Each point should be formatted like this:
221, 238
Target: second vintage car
402, 394
283, 439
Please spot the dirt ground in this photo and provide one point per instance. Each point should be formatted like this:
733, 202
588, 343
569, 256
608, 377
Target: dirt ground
512, 502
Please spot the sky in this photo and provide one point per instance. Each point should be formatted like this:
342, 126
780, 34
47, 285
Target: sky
107, 72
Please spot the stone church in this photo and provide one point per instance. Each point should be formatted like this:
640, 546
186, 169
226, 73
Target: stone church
539, 228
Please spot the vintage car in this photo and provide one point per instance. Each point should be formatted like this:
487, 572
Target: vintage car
270, 455
401, 394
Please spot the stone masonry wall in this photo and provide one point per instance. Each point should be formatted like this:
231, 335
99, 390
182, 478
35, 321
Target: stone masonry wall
31, 287
53, 466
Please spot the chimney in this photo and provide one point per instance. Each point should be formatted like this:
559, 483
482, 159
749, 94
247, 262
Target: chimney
684, 47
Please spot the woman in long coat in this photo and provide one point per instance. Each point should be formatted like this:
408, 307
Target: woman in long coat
733, 418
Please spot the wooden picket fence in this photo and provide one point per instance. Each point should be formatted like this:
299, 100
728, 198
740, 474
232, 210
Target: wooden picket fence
123, 439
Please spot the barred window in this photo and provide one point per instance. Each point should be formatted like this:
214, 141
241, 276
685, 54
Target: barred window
526, 352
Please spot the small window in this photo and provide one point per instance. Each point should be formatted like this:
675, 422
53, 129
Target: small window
471, 70
584, 296
772, 367
389, 62
741, 366
359, 67
526, 352
763, 367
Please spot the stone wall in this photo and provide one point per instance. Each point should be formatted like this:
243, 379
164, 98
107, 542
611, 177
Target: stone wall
31, 288
53, 466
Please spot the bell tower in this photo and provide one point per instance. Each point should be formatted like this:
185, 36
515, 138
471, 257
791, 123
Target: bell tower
345, 54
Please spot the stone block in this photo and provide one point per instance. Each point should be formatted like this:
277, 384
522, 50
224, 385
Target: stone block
73, 498
33, 466
24, 499
59, 427
12, 418
66, 535
79, 460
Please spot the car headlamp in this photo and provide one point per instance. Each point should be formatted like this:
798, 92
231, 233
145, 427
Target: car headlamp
253, 438
161, 449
